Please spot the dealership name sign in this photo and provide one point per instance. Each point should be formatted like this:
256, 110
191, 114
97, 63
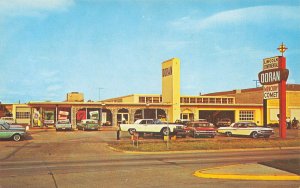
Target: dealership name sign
271, 76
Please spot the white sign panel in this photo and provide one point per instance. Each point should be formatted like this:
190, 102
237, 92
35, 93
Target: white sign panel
271, 63
271, 91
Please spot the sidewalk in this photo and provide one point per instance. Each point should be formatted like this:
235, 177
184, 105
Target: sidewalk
249, 171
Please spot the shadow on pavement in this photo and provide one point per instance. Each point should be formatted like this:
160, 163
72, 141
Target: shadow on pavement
289, 165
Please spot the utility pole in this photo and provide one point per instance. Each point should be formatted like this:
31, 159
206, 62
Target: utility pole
256, 82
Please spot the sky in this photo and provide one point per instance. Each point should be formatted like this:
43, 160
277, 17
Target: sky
51, 47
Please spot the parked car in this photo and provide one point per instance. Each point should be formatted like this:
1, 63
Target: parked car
9, 120
16, 132
88, 124
63, 125
201, 128
182, 121
224, 122
246, 129
151, 126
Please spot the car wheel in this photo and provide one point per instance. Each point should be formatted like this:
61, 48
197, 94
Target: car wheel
228, 134
17, 137
165, 131
131, 131
254, 135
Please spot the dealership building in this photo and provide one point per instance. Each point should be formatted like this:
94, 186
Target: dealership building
170, 105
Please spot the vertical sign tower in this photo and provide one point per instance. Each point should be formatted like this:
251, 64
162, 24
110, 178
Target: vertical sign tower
282, 93
171, 87
273, 78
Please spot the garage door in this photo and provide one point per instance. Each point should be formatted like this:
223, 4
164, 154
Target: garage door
295, 113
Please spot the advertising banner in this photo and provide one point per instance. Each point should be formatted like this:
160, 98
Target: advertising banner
81, 115
94, 115
49, 117
63, 115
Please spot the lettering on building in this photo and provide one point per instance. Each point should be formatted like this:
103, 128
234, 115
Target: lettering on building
167, 71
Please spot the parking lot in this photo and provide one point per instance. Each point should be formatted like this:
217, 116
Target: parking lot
109, 134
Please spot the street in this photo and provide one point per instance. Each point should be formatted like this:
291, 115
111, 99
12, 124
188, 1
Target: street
83, 159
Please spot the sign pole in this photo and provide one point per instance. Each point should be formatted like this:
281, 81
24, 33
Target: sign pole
273, 78
282, 100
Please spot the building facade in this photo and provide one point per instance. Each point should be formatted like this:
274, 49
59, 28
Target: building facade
237, 105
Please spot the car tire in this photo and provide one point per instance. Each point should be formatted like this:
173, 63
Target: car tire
254, 135
165, 131
131, 131
229, 134
16, 137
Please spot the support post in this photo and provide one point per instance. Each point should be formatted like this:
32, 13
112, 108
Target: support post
282, 100
265, 112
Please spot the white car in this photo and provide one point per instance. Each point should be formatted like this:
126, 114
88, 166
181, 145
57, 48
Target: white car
246, 128
151, 126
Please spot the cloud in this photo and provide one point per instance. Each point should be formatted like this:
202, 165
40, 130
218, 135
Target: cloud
32, 7
255, 15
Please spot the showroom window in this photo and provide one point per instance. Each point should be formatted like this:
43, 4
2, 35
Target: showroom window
23, 115
246, 115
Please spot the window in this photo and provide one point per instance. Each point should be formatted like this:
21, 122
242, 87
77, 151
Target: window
155, 99
246, 115
230, 101
212, 100
218, 100
205, 100
224, 100
149, 99
192, 100
186, 100
142, 99
199, 100
23, 115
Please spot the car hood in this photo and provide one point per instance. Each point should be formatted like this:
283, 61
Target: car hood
205, 129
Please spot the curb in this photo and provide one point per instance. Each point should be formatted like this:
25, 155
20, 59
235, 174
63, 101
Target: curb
203, 174
206, 151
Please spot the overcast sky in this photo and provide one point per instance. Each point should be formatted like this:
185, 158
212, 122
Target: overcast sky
51, 47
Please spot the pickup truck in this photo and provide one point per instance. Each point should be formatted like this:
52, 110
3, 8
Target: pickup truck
151, 126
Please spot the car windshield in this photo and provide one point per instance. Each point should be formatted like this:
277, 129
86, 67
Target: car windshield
6, 125
200, 124
252, 125
91, 121
63, 121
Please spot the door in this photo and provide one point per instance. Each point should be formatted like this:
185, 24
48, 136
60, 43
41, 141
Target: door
121, 117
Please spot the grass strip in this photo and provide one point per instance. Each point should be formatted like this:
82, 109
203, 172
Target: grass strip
205, 144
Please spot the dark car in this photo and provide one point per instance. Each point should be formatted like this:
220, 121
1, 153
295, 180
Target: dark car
201, 128
224, 122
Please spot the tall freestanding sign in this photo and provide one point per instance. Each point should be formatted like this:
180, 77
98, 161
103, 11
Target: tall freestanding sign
273, 78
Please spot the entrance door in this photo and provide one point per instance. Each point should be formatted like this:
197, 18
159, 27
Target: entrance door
121, 117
